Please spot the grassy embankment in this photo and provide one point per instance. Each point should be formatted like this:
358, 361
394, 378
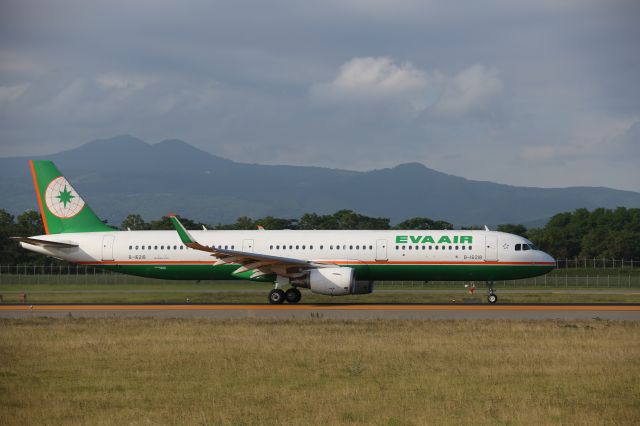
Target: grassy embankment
172, 371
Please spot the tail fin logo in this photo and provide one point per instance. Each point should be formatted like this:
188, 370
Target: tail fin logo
62, 200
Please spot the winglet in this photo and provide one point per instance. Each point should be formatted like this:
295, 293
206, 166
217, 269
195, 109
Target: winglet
185, 236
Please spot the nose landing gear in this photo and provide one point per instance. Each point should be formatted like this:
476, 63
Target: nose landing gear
492, 297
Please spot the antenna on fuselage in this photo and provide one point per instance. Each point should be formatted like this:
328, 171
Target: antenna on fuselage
486, 228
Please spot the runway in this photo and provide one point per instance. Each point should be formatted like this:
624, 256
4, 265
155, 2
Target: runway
332, 311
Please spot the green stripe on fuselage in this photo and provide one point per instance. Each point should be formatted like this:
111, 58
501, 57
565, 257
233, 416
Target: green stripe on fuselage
418, 272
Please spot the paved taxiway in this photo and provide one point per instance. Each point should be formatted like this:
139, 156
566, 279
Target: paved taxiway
334, 311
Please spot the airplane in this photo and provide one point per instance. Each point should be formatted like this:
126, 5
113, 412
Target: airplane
334, 263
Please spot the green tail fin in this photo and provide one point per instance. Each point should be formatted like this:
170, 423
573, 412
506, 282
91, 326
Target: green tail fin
61, 207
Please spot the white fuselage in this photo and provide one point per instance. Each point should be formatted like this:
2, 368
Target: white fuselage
376, 249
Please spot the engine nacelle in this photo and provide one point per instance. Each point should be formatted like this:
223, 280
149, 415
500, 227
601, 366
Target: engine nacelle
336, 282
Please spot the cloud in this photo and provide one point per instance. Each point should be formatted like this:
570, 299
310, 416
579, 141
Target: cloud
121, 82
11, 93
381, 80
623, 146
378, 80
386, 81
472, 89
551, 154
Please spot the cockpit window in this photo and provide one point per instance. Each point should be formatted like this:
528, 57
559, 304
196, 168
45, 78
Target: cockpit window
518, 247
526, 247
533, 247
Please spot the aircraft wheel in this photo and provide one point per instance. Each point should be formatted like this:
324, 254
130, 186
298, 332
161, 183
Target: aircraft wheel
493, 298
276, 296
293, 295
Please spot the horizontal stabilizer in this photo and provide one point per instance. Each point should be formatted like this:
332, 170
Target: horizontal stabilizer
45, 243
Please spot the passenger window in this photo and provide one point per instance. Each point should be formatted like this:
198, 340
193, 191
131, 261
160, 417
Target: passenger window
297, 247
410, 247
155, 247
337, 247
463, 247
181, 247
404, 247
175, 247
310, 247
518, 247
456, 247
436, 247
370, 247
470, 248
304, 247
321, 247
358, 247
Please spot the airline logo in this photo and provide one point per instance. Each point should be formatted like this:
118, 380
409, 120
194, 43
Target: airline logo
62, 200
421, 239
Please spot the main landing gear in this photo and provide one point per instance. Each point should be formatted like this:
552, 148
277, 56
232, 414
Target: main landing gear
278, 296
492, 297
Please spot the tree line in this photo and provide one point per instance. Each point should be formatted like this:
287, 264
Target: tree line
581, 233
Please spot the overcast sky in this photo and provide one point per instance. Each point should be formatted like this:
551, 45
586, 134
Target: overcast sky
536, 93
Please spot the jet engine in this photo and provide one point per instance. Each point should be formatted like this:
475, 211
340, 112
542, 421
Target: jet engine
334, 282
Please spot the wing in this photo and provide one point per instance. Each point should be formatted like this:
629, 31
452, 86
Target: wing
45, 243
253, 265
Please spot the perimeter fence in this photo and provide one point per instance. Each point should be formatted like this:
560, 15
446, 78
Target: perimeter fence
595, 262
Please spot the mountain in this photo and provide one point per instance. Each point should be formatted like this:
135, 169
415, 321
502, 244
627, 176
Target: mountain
125, 175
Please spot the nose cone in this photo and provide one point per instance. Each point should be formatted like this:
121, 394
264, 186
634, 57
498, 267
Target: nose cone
548, 259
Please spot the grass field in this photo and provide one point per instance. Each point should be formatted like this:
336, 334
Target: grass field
247, 372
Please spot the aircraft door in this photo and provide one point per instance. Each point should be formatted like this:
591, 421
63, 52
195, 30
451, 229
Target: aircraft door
491, 248
247, 246
381, 250
107, 247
